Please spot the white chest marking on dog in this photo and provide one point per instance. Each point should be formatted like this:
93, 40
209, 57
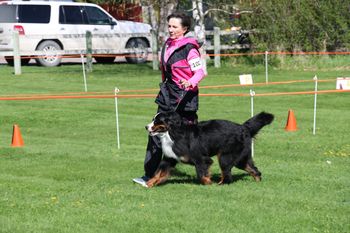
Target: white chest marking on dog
167, 145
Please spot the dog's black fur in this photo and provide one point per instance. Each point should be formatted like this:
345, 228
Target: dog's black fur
195, 144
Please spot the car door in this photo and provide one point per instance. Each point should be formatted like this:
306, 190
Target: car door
75, 20
73, 24
105, 31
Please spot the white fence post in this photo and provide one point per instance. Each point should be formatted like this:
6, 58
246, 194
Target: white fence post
16, 55
88, 51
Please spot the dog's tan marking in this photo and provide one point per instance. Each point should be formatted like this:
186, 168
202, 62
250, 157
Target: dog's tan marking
159, 128
158, 178
252, 172
206, 180
221, 179
185, 158
222, 174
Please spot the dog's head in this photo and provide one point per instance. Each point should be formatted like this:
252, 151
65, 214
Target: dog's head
163, 122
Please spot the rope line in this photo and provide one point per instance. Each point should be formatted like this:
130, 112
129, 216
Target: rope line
124, 96
280, 93
211, 55
155, 90
277, 53
78, 56
265, 84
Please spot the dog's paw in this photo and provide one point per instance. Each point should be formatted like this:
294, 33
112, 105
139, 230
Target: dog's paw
257, 178
206, 180
225, 180
150, 184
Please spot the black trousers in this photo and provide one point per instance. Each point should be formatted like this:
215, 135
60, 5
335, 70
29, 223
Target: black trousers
154, 152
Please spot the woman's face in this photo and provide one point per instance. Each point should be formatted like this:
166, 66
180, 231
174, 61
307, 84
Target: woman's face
176, 30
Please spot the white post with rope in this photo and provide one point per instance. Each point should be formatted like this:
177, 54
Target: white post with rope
315, 106
84, 74
252, 94
116, 91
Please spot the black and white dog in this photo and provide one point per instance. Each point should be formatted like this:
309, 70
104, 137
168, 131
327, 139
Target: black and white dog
196, 144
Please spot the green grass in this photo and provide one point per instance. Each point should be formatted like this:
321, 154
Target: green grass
70, 176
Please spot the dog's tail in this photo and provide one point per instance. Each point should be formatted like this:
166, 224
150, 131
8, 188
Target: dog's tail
257, 122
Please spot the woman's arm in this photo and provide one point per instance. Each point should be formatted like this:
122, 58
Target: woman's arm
194, 59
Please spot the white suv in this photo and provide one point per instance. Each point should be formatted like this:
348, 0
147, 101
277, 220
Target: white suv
55, 28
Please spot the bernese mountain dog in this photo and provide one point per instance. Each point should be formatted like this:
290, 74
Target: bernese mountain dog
196, 144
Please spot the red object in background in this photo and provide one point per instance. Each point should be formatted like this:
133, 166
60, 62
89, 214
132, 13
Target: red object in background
125, 11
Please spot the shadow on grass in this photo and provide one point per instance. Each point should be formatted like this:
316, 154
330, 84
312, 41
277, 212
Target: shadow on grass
179, 177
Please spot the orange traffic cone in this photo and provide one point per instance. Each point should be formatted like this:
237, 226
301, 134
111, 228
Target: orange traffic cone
17, 140
291, 122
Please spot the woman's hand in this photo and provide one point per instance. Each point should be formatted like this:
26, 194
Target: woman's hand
185, 83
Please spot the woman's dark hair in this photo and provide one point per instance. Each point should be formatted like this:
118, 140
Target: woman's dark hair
185, 19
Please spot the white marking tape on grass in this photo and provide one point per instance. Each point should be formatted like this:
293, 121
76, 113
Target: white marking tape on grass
315, 106
252, 94
84, 74
116, 91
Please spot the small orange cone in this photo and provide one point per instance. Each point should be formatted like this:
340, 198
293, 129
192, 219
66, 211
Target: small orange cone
17, 140
291, 122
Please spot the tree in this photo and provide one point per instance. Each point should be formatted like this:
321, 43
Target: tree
157, 12
281, 25
201, 11
300, 25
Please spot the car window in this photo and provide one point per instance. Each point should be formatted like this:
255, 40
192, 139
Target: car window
34, 13
72, 15
8, 14
96, 16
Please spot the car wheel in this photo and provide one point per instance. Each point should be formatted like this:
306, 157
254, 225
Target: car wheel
105, 60
10, 61
140, 53
52, 58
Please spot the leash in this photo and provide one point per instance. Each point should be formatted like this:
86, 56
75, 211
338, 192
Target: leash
183, 94
164, 89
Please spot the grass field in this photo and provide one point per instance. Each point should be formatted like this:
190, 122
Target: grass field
70, 176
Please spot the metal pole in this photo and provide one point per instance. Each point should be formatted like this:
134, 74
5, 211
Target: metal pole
315, 106
266, 67
252, 93
84, 75
116, 91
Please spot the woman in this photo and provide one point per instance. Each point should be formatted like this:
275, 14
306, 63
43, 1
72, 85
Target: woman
181, 72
